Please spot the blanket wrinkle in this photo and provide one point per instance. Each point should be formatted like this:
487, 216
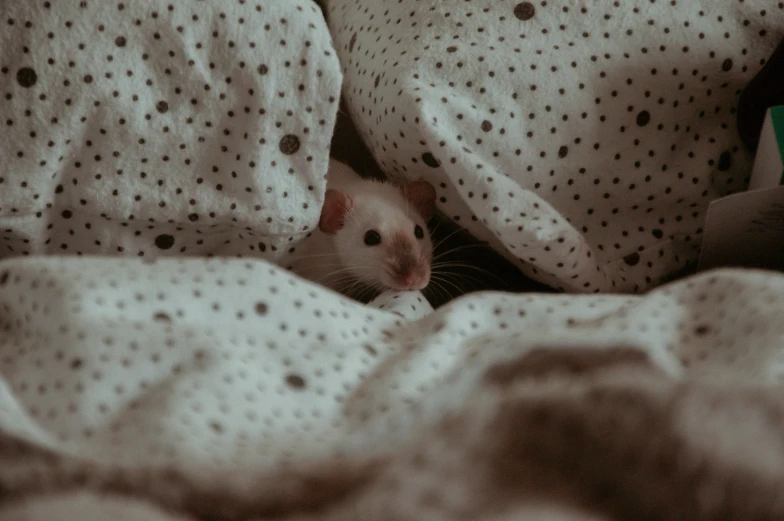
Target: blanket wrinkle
544, 362
137, 134
603, 443
620, 118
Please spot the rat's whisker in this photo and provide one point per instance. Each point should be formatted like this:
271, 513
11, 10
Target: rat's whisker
463, 277
460, 264
357, 280
336, 255
439, 284
346, 274
458, 275
350, 290
447, 281
367, 291
437, 277
440, 266
438, 225
449, 294
338, 281
441, 241
337, 271
317, 256
456, 249
434, 287
322, 265
370, 292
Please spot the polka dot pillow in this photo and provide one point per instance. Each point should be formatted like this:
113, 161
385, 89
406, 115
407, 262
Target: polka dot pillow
583, 141
163, 128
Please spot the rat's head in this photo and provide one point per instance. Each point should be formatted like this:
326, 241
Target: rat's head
381, 234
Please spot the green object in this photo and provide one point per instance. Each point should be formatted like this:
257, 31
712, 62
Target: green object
777, 118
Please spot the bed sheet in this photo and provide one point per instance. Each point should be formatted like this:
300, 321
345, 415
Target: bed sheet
155, 128
233, 363
584, 141
207, 368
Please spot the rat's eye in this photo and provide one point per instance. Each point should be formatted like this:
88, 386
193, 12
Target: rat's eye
419, 233
372, 238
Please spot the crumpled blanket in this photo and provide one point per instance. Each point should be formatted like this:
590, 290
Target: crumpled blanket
561, 435
584, 140
157, 388
163, 128
230, 389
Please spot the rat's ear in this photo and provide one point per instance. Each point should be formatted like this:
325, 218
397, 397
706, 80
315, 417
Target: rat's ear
336, 205
422, 196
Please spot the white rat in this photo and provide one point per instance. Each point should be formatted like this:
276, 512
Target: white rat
372, 235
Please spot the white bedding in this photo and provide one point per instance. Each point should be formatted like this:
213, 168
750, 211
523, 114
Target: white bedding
224, 364
583, 140
162, 128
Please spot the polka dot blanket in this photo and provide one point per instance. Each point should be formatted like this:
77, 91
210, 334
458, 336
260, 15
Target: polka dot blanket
162, 128
142, 380
218, 367
583, 140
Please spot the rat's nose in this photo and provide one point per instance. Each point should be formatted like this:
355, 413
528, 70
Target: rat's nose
409, 278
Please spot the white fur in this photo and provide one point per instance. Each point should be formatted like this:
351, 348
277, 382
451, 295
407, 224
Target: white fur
342, 261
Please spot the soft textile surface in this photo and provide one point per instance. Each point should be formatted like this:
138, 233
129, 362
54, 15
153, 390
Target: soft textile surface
166, 129
574, 437
543, 440
222, 389
148, 128
583, 140
208, 367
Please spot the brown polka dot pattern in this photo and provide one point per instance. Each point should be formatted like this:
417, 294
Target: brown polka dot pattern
570, 137
182, 361
208, 363
159, 128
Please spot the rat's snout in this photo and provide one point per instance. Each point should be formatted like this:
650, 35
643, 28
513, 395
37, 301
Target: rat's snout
406, 268
410, 279
408, 275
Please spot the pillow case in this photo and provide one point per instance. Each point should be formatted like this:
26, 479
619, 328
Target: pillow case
163, 128
583, 141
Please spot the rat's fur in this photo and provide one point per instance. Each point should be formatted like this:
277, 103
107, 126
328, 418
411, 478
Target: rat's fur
341, 261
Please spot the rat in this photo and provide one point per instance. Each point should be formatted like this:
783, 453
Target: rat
372, 235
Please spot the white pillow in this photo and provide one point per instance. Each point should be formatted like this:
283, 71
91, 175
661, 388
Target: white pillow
163, 128
583, 142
